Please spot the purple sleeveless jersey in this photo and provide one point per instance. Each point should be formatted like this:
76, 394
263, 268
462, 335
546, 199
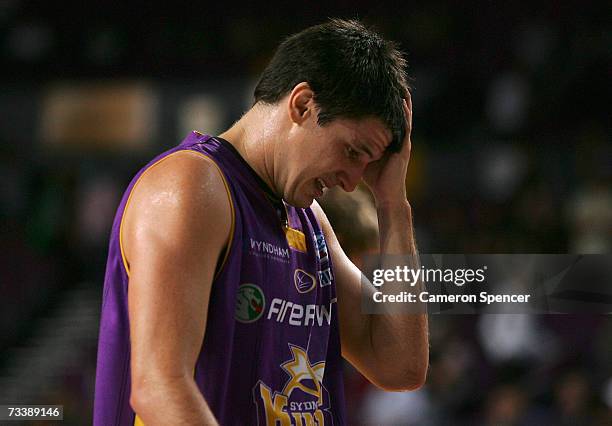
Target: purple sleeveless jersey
271, 352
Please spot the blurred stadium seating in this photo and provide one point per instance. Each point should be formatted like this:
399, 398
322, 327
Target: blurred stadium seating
511, 154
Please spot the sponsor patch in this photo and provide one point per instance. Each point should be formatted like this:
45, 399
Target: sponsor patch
250, 303
286, 312
304, 282
267, 250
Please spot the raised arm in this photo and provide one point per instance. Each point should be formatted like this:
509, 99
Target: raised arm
175, 228
392, 351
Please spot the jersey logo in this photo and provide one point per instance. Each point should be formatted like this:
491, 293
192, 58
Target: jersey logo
250, 303
286, 312
304, 376
304, 282
302, 401
266, 249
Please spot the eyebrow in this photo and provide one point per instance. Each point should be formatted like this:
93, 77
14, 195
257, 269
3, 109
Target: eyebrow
363, 147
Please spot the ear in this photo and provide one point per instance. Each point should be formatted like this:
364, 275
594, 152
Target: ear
301, 103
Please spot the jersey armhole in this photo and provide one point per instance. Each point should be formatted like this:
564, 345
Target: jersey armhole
230, 239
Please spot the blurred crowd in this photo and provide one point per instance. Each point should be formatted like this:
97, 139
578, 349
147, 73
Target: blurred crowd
511, 154
496, 369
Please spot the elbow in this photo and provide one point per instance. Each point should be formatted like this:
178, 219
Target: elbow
403, 382
406, 378
135, 402
140, 400
145, 395
150, 391
416, 380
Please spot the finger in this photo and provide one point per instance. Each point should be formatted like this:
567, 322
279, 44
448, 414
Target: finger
408, 109
407, 144
408, 100
408, 115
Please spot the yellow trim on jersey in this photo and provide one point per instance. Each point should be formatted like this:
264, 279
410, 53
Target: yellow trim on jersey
231, 201
229, 197
137, 420
127, 203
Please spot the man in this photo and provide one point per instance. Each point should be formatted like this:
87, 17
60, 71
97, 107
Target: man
227, 297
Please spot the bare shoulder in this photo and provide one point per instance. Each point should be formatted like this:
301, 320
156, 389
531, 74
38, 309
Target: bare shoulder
175, 227
320, 213
180, 201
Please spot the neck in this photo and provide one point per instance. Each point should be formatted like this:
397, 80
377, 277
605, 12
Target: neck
255, 136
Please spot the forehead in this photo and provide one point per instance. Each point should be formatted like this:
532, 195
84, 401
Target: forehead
368, 130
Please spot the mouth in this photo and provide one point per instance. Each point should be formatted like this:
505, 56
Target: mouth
320, 187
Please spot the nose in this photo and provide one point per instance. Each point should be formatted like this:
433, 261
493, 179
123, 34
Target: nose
349, 185
349, 179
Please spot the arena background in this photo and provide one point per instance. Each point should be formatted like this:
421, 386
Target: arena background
511, 154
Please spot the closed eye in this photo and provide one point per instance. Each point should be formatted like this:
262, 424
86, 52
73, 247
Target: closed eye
352, 153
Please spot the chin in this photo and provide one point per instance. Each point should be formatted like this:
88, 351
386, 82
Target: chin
301, 203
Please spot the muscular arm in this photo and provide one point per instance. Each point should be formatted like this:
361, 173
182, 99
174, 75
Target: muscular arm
175, 228
391, 350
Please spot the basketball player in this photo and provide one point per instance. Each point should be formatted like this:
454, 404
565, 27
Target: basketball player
227, 298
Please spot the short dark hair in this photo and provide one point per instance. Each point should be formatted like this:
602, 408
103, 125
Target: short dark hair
353, 72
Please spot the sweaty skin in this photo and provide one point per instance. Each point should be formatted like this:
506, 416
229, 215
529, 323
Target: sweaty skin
172, 243
178, 222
